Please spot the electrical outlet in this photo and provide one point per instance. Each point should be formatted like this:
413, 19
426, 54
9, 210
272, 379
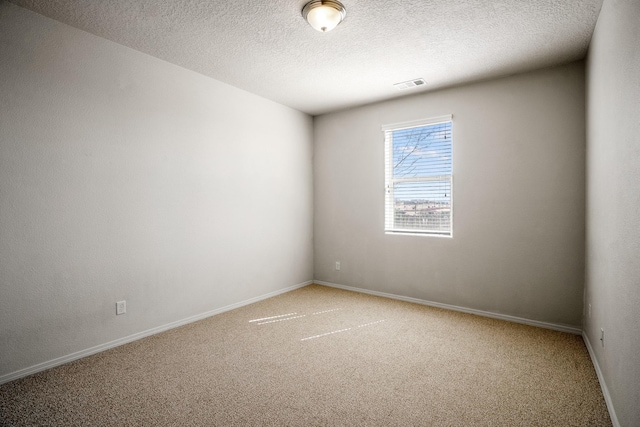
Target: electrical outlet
337, 265
121, 307
589, 311
602, 336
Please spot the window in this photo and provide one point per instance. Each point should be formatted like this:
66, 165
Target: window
418, 177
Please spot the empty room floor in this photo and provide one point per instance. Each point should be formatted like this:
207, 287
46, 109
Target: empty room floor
319, 356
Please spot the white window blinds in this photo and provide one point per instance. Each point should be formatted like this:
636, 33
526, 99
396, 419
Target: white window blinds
418, 177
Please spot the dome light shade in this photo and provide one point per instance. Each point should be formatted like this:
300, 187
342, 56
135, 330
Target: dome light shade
324, 15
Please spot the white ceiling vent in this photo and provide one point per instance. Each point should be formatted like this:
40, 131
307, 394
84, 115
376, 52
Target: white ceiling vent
410, 84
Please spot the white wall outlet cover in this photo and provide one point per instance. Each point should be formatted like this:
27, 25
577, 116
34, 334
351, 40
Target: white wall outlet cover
121, 307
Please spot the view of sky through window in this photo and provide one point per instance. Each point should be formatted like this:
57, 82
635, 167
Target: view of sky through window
422, 163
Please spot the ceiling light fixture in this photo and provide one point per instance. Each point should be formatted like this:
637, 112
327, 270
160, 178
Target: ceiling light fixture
324, 15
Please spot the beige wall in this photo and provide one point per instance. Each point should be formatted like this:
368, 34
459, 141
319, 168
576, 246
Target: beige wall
518, 199
613, 203
125, 177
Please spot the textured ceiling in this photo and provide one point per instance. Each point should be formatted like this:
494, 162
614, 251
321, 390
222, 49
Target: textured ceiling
265, 47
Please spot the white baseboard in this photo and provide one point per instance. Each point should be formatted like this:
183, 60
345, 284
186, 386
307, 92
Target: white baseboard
120, 341
554, 326
603, 384
115, 343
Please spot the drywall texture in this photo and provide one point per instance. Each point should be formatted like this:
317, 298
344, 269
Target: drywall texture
518, 199
123, 177
613, 203
379, 43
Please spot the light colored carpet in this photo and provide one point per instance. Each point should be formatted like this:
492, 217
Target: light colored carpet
332, 358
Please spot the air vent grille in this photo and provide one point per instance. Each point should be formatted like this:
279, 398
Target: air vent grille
410, 84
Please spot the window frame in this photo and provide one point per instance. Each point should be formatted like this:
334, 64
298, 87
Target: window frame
389, 210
